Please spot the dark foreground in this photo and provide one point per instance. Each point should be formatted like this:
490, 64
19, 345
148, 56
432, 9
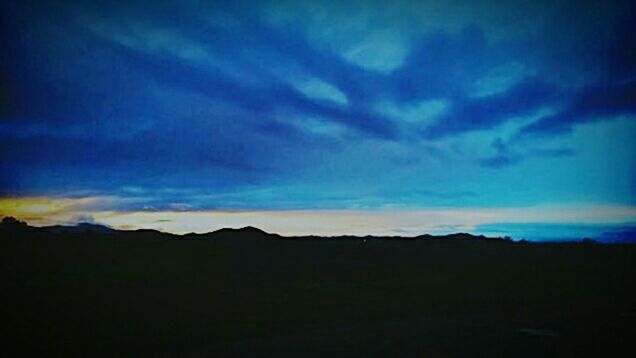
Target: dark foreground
244, 293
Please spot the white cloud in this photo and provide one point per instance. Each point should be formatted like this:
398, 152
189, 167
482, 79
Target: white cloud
500, 79
422, 112
321, 90
382, 51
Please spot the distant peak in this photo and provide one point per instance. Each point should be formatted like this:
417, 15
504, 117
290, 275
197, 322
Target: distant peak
251, 229
81, 227
91, 225
246, 229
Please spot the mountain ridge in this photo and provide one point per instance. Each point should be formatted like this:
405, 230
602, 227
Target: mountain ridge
11, 224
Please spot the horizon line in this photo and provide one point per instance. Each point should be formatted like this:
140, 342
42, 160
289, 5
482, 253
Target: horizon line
112, 230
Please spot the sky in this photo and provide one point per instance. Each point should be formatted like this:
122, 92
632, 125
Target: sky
358, 117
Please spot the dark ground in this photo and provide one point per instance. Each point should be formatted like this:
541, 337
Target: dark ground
249, 294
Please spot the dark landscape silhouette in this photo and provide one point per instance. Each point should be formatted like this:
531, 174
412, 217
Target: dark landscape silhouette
92, 290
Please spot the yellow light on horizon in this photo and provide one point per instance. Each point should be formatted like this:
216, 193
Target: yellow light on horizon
30, 206
42, 211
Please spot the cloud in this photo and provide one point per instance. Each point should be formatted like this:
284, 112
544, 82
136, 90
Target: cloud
502, 157
505, 156
423, 112
491, 111
590, 104
382, 51
499, 79
321, 90
149, 39
46, 210
540, 231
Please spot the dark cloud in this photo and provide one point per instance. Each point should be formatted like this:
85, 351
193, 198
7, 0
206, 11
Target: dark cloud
625, 234
488, 112
505, 156
540, 231
441, 65
590, 104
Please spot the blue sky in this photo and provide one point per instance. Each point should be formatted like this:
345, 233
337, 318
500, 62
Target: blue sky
334, 106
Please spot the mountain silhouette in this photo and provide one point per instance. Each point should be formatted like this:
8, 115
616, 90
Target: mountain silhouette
91, 290
10, 224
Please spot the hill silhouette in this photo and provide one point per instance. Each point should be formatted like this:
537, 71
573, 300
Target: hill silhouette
12, 225
89, 290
